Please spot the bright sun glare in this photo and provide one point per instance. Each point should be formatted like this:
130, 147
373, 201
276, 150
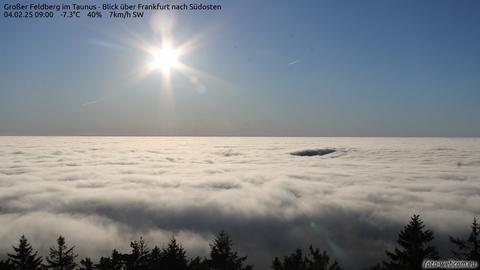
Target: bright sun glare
165, 58
165, 55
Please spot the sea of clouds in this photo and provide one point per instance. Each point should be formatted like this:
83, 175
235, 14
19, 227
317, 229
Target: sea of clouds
103, 192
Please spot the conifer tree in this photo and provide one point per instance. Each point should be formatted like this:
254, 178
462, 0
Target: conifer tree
198, 263
294, 261
315, 260
414, 247
155, 258
115, 262
6, 265
24, 257
86, 264
61, 257
222, 256
139, 258
105, 263
321, 261
173, 257
468, 249
376, 267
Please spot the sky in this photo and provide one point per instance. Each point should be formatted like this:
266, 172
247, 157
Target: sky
256, 68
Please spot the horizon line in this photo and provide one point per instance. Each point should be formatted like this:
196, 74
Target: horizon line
234, 136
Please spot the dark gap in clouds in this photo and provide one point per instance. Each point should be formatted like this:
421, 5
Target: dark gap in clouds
313, 152
228, 153
223, 185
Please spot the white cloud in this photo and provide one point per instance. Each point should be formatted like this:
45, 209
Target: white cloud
103, 192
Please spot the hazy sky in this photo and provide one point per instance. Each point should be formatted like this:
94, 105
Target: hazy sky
282, 68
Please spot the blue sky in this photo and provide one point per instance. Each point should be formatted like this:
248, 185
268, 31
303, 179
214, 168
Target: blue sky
268, 68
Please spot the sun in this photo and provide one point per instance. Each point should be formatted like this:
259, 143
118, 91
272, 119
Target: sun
165, 58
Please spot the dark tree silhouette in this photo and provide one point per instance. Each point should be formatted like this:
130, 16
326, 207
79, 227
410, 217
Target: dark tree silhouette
105, 263
86, 264
376, 267
414, 247
173, 257
139, 258
294, 261
61, 257
222, 256
6, 265
198, 264
115, 262
321, 261
468, 249
24, 257
316, 260
155, 258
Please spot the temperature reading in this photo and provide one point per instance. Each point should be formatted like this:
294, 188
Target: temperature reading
71, 14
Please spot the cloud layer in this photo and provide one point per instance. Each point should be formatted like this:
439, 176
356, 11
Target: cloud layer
103, 192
